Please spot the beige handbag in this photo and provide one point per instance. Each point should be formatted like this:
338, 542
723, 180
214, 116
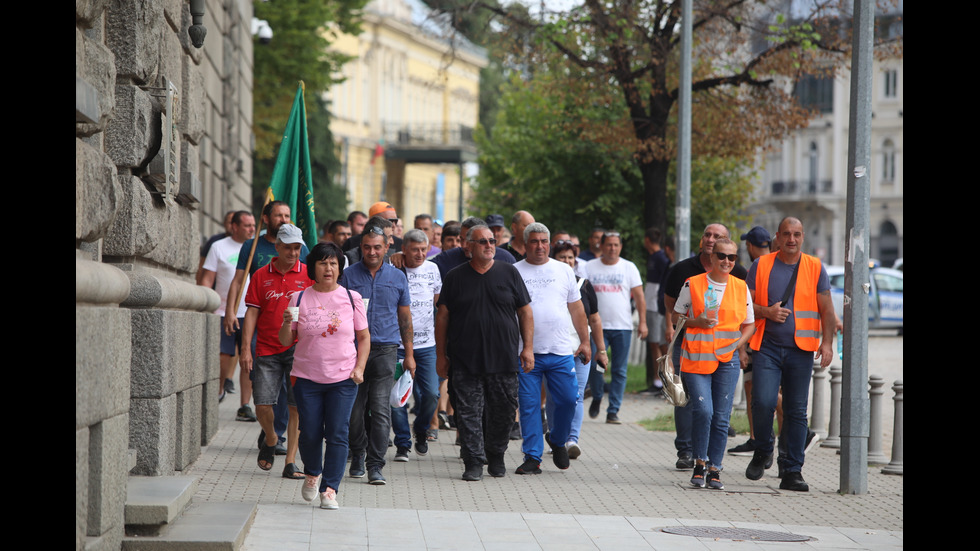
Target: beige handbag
673, 386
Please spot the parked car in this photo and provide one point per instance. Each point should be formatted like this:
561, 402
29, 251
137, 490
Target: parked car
885, 299
899, 265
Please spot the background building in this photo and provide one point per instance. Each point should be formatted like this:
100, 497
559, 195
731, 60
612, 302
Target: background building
162, 150
806, 175
405, 114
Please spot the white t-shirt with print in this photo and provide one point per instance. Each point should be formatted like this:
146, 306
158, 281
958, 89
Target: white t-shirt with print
424, 283
613, 285
552, 287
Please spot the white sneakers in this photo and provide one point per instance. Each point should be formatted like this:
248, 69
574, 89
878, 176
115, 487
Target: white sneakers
311, 486
328, 499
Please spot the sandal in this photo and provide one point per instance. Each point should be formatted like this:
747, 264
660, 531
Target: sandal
292, 472
267, 455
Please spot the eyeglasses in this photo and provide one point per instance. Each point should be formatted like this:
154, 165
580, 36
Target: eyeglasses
484, 242
723, 256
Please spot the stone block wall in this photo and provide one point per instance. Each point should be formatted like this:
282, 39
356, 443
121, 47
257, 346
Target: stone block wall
146, 342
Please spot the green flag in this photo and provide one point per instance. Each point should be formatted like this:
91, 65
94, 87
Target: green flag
291, 178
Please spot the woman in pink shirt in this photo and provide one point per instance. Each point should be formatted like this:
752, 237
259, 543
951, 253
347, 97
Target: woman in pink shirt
327, 367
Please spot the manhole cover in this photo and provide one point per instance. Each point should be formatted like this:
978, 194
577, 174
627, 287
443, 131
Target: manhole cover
733, 533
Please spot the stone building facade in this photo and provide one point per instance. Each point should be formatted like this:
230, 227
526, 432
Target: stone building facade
162, 149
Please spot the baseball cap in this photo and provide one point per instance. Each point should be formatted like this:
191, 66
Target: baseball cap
495, 221
288, 233
379, 207
758, 236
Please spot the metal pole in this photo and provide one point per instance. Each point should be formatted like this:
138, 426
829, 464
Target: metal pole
855, 404
683, 212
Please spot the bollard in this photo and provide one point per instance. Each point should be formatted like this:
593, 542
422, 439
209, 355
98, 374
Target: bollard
833, 432
818, 415
875, 454
895, 466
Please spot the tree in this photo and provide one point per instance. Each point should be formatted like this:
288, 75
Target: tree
748, 55
537, 159
302, 33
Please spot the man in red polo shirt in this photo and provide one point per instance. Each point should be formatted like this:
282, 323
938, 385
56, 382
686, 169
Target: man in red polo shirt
267, 298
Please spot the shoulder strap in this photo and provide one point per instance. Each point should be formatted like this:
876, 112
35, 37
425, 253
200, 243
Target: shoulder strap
581, 282
300, 297
792, 283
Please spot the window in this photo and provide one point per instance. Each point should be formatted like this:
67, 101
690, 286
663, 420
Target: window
891, 83
888, 162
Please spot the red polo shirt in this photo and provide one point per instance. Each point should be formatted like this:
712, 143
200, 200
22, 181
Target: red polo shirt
269, 290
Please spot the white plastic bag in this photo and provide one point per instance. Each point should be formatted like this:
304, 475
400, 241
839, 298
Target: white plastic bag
402, 390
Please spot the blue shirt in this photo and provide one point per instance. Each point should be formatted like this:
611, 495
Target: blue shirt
385, 292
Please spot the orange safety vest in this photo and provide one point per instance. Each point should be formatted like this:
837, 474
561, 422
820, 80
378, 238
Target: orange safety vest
704, 348
805, 309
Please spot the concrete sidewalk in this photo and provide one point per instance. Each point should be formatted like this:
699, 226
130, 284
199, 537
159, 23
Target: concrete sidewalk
618, 495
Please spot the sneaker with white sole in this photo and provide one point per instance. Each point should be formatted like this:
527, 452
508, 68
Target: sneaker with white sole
401, 456
697, 480
713, 480
328, 499
573, 449
311, 487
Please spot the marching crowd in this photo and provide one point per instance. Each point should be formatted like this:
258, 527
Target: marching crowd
506, 340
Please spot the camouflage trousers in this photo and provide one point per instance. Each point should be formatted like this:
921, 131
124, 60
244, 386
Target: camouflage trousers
491, 397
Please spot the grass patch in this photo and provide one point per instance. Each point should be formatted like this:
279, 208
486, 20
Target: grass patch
665, 422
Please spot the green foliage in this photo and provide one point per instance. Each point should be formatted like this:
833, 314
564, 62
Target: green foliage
532, 162
535, 160
720, 190
302, 32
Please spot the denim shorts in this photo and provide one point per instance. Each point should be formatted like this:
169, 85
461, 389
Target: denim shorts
267, 376
231, 343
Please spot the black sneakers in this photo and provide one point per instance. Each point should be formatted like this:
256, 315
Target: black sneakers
375, 477
529, 466
473, 472
697, 479
794, 481
685, 461
559, 453
595, 407
495, 465
757, 467
714, 480
421, 444
357, 465
744, 450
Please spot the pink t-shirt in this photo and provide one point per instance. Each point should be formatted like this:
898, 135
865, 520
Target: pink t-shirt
325, 351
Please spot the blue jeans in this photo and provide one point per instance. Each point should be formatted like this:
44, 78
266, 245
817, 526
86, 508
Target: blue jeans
683, 418
582, 372
324, 416
370, 433
711, 407
562, 390
619, 341
425, 389
792, 368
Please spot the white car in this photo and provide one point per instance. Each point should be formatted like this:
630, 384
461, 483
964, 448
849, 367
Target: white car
885, 299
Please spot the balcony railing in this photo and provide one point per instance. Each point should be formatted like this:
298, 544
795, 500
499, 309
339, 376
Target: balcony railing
431, 134
801, 188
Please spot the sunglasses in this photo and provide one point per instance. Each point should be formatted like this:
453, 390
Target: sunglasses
611, 234
723, 256
484, 242
376, 230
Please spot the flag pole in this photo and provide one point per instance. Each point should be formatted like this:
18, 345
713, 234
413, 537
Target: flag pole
251, 253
